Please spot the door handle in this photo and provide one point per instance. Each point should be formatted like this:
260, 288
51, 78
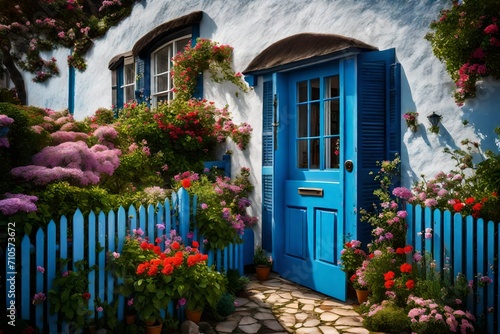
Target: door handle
349, 165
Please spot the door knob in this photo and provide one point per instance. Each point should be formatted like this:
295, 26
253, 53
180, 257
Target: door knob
348, 165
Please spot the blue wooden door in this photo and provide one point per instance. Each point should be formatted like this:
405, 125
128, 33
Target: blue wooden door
314, 189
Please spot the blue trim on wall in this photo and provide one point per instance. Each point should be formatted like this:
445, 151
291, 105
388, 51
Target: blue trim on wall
119, 89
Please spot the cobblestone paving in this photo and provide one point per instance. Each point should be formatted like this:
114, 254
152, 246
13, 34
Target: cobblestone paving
280, 306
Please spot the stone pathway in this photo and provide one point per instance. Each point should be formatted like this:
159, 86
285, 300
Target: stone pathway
280, 306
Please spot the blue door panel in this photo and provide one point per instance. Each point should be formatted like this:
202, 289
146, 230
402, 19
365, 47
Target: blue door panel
325, 243
296, 227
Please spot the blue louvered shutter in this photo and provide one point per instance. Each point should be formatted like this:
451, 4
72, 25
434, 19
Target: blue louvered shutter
378, 122
267, 163
140, 94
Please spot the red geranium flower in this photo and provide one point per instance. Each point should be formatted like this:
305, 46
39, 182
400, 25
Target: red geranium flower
408, 249
389, 275
400, 251
389, 284
86, 295
410, 284
186, 183
458, 207
406, 268
195, 244
470, 200
175, 245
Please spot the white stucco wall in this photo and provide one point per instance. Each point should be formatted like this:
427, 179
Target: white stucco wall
251, 26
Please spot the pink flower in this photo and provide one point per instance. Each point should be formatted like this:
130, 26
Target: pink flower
130, 302
40, 269
99, 309
402, 214
491, 29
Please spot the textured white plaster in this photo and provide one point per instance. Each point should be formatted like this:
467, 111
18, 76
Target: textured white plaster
251, 26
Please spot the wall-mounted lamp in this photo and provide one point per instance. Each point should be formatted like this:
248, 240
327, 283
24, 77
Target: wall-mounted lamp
434, 119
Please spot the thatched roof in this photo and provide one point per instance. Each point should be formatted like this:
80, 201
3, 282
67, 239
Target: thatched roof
167, 27
118, 59
300, 47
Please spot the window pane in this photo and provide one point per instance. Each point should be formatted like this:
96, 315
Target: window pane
332, 87
180, 44
314, 154
161, 83
302, 154
129, 71
314, 121
129, 93
332, 117
114, 97
162, 59
332, 152
302, 91
314, 89
302, 121
114, 82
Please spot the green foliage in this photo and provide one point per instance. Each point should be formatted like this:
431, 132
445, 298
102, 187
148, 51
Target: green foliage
466, 37
235, 282
389, 319
69, 296
225, 306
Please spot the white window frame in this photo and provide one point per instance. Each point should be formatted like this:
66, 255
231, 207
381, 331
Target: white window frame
167, 94
126, 63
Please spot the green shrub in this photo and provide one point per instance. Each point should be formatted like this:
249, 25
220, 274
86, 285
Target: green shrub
389, 319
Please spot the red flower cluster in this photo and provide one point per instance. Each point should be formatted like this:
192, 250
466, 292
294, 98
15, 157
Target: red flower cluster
404, 250
86, 295
166, 263
471, 203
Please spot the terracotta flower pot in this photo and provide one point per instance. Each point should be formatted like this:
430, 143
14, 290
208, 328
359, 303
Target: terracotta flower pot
153, 329
362, 295
262, 272
193, 315
130, 319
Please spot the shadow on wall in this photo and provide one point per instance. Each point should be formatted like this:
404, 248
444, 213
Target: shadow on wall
483, 113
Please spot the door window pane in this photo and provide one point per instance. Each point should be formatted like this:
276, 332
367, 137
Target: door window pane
314, 89
332, 87
302, 121
332, 152
315, 155
332, 117
302, 91
314, 121
302, 154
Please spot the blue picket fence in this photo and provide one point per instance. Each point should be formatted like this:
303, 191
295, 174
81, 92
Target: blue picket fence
468, 246
90, 238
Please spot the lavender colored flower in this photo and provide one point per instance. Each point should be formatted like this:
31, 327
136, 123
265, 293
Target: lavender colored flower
60, 137
160, 227
40, 296
430, 202
40, 269
182, 302
190, 235
138, 231
99, 309
402, 214
5, 120
204, 206
130, 302
15, 203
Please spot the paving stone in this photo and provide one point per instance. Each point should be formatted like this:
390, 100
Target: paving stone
250, 329
269, 291
241, 301
293, 305
226, 326
357, 330
306, 301
298, 325
327, 316
318, 310
312, 323
350, 321
290, 310
263, 316
273, 324
288, 320
345, 313
332, 303
247, 320
328, 330
308, 308
308, 330
285, 295
301, 316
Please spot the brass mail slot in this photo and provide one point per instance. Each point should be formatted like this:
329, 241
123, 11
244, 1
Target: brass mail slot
311, 192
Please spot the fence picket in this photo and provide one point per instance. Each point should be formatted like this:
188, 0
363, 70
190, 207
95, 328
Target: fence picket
101, 259
150, 228
40, 261
437, 233
25, 277
480, 295
489, 270
92, 247
78, 243
110, 247
457, 244
418, 228
51, 269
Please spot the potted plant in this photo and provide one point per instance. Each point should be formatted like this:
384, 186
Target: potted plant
411, 119
351, 257
359, 283
262, 263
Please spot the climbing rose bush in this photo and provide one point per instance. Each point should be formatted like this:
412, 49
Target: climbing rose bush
467, 38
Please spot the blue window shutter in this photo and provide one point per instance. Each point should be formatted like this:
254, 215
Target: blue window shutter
267, 164
140, 81
119, 83
378, 122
